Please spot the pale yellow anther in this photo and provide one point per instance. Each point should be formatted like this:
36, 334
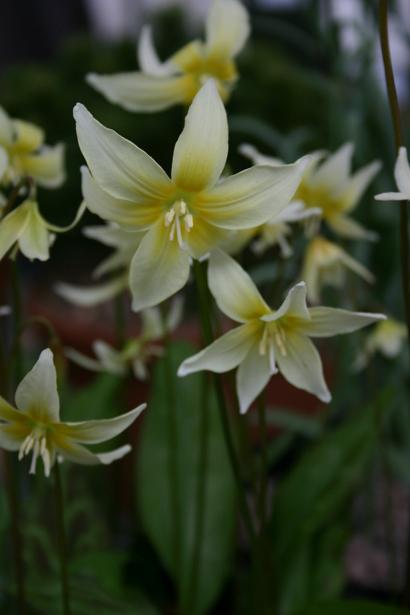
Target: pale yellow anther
179, 211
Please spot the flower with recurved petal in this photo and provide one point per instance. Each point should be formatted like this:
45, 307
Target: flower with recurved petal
387, 338
326, 263
34, 426
24, 154
161, 85
268, 341
187, 215
402, 177
327, 184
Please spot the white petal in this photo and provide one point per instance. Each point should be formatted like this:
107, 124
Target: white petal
38, 390
233, 289
252, 377
391, 196
349, 228
46, 167
4, 161
334, 171
110, 358
253, 154
302, 366
202, 148
223, 354
12, 436
227, 28
358, 184
147, 55
34, 241
293, 305
93, 432
137, 91
252, 197
402, 172
11, 228
92, 295
83, 360
326, 322
159, 268
8, 413
121, 168
79, 454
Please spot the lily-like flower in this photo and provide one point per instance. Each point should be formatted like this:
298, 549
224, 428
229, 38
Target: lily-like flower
402, 177
387, 338
34, 426
268, 341
161, 85
26, 229
328, 184
187, 215
326, 263
136, 352
24, 154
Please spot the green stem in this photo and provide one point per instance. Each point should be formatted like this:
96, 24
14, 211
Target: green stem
205, 312
263, 480
62, 540
404, 215
17, 322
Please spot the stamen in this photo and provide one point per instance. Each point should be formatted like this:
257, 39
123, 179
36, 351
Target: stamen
280, 340
36, 452
173, 219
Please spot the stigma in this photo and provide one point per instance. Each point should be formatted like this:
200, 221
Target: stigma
178, 218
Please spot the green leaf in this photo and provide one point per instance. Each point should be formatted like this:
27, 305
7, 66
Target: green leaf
95, 401
292, 421
154, 486
353, 607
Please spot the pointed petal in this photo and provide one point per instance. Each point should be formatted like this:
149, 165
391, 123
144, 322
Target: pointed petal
12, 435
121, 168
233, 289
77, 453
93, 432
251, 197
7, 412
127, 213
38, 389
354, 265
147, 56
402, 172
46, 167
302, 366
358, 184
349, 228
392, 196
204, 237
223, 354
110, 358
28, 136
11, 228
326, 322
83, 360
334, 171
34, 241
252, 377
227, 28
293, 305
144, 93
202, 148
92, 295
159, 268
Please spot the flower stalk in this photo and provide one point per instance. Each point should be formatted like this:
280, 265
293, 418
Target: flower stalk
62, 540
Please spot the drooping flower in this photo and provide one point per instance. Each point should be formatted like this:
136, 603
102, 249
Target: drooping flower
268, 341
326, 263
26, 229
24, 154
184, 216
137, 351
34, 426
402, 177
387, 337
328, 184
161, 85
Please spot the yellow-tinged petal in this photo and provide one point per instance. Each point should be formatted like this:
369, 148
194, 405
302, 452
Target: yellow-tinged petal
223, 354
120, 168
8, 413
203, 237
91, 296
233, 289
326, 322
227, 28
93, 432
202, 148
252, 197
11, 227
190, 58
159, 269
147, 55
12, 435
137, 91
140, 213
79, 454
252, 376
349, 228
46, 167
37, 393
334, 171
34, 241
4, 161
28, 136
357, 185
294, 305
301, 366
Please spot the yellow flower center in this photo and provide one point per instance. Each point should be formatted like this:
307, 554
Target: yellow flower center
178, 218
36, 443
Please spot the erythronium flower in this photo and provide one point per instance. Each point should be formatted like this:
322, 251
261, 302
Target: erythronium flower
184, 216
136, 352
176, 81
26, 228
402, 177
328, 184
34, 426
268, 341
24, 154
387, 337
326, 263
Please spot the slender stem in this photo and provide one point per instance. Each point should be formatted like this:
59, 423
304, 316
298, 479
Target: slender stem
263, 480
62, 540
205, 310
17, 317
404, 215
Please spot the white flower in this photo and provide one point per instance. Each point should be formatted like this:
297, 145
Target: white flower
387, 337
268, 341
402, 177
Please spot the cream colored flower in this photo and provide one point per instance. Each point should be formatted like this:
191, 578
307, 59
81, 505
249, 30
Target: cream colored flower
24, 154
387, 337
326, 263
26, 229
402, 177
268, 341
161, 85
136, 352
34, 426
187, 215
